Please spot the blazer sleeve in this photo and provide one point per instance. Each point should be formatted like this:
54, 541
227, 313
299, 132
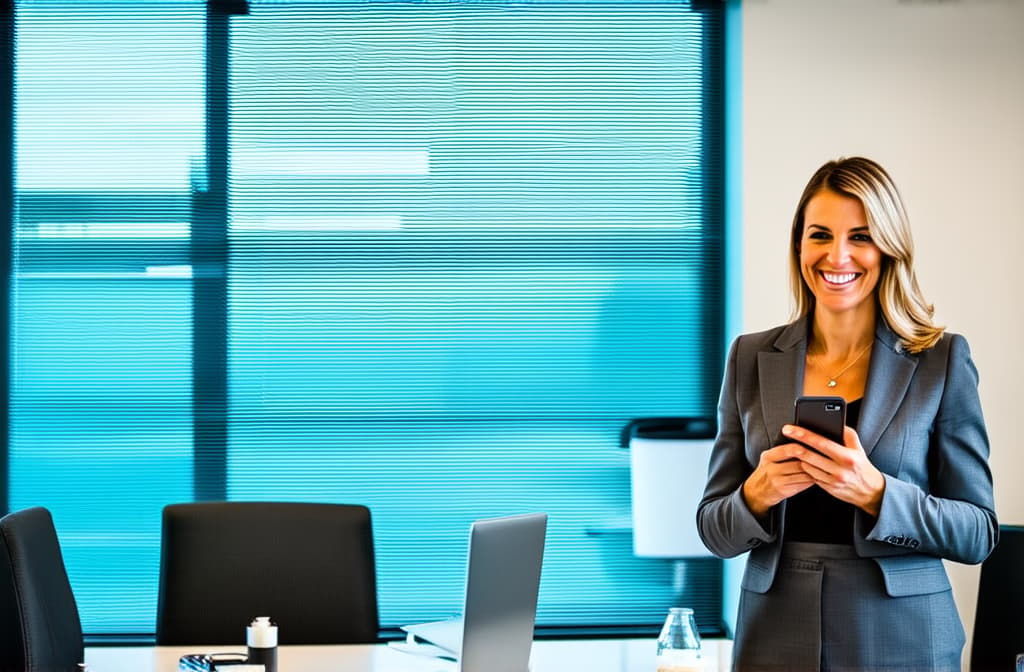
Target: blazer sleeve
725, 523
954, 516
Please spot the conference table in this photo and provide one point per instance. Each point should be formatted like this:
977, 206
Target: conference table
562, 655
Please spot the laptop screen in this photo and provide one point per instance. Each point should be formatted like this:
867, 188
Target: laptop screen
495, 633
502, 581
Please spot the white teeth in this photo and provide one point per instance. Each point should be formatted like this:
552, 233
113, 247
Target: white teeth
839, 278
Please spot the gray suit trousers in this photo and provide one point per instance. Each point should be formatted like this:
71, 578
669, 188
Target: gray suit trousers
828, 610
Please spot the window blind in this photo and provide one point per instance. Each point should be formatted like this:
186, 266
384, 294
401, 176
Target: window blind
109, 120
465, 244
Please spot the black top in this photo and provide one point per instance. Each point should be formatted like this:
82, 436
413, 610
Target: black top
816, 516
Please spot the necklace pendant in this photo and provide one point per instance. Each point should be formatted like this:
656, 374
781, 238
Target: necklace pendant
831, 382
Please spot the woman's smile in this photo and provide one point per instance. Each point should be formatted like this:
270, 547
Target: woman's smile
839, 279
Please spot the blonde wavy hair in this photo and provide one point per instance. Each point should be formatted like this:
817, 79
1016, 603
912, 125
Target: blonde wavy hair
899, 297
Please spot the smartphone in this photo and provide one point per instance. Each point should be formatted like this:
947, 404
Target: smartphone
822, 415
211, 662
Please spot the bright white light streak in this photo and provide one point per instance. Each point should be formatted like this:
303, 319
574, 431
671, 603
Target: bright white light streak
179, 271
151, 272
110, 230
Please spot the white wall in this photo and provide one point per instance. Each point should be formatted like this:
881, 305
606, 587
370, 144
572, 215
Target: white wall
933, 90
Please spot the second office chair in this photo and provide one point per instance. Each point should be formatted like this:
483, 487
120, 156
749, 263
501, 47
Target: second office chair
310, 567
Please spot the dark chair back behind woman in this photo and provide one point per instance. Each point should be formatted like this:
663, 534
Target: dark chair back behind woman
999, 620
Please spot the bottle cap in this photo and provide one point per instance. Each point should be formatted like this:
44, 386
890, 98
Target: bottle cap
261, 633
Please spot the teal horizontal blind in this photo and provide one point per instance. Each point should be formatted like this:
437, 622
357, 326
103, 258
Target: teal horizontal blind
109, 124
467, 242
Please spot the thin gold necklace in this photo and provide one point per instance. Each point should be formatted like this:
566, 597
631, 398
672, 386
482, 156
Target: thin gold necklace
832, 380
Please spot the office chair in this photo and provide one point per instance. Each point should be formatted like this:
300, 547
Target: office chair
999, 619
40, 630
309, 567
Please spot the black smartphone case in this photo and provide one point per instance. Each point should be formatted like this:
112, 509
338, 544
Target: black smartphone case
822, 415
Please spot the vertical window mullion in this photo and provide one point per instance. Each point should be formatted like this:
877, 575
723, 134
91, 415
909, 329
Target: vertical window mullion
7, 215
713, 139
209, 251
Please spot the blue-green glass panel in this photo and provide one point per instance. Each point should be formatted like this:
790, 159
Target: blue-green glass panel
468, 244
109, 128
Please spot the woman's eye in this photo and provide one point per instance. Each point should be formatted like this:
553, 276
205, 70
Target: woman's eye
862, 237
818, 235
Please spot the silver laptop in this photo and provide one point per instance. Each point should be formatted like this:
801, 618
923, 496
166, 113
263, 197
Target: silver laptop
495, 633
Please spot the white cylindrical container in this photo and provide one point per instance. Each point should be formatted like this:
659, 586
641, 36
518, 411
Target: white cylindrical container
669, 466
261, 639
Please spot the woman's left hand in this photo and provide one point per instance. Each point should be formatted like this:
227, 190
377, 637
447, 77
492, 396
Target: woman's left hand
843, 471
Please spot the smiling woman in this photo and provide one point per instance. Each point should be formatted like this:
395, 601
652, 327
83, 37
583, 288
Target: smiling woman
847, 539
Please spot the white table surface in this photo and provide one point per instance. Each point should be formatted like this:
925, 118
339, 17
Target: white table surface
583, 655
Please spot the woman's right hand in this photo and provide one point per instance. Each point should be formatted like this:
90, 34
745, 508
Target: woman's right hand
778, 476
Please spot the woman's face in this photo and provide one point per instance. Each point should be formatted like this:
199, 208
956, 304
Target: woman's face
838, 259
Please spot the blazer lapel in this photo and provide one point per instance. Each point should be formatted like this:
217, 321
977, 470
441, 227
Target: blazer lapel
781, 373
889, 377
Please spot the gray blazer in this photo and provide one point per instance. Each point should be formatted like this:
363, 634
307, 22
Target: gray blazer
920, 424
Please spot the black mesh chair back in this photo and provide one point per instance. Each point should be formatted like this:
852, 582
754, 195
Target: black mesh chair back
309, 567
40, 630
999, 619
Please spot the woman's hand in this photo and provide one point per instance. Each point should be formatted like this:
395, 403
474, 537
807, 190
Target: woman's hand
779, 475
843, 471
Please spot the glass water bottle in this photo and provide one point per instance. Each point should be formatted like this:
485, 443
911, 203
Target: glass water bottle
679, 643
